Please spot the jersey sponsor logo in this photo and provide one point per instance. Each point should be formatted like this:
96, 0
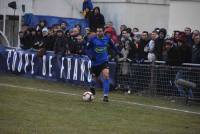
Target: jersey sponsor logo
100, 49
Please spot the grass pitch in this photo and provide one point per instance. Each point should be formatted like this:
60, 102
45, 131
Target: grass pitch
44, 107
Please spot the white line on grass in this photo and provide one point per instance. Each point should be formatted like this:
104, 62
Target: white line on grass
118, 101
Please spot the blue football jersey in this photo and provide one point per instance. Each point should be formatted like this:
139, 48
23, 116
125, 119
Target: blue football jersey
98, 49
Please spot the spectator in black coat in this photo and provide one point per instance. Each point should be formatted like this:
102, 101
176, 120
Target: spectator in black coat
25, 39
196, 50
51, 40
33, 37
22, 39
185, 49
175, 37
39, 39
78, 45
60, 46
45, 39
173, 54
96, 19
43, 44
159, 43
72, 39
195, 33
188, 34
141, 44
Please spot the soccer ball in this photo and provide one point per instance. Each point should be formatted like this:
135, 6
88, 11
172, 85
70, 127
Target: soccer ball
88, 96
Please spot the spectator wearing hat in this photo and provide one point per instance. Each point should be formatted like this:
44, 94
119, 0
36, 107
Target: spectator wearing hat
45, 39
46, 43
110, 32
42, 46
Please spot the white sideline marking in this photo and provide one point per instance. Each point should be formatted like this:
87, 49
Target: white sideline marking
126, 102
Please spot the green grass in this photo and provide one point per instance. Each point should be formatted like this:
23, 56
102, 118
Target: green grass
26, 111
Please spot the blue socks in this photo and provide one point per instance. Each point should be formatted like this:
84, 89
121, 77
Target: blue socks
106, 87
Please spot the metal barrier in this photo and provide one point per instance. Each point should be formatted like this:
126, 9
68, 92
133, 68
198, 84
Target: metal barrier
158, 79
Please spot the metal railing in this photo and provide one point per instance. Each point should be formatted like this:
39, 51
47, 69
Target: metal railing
158, 79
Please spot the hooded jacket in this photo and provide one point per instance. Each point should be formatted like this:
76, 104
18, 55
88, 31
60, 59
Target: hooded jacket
96, 20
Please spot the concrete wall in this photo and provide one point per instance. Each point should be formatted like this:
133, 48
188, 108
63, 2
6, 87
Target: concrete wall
144, 16
61, 8
184, 13
127, 13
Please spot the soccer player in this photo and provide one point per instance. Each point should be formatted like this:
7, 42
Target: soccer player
98, 53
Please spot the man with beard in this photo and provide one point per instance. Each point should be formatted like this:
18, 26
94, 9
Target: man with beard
98, 48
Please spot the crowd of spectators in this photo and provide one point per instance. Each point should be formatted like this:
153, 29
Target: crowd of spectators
181, 47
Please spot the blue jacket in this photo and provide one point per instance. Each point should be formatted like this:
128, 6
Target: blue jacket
87, 4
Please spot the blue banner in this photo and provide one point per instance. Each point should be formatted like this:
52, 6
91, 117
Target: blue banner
33, 20
71, 68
